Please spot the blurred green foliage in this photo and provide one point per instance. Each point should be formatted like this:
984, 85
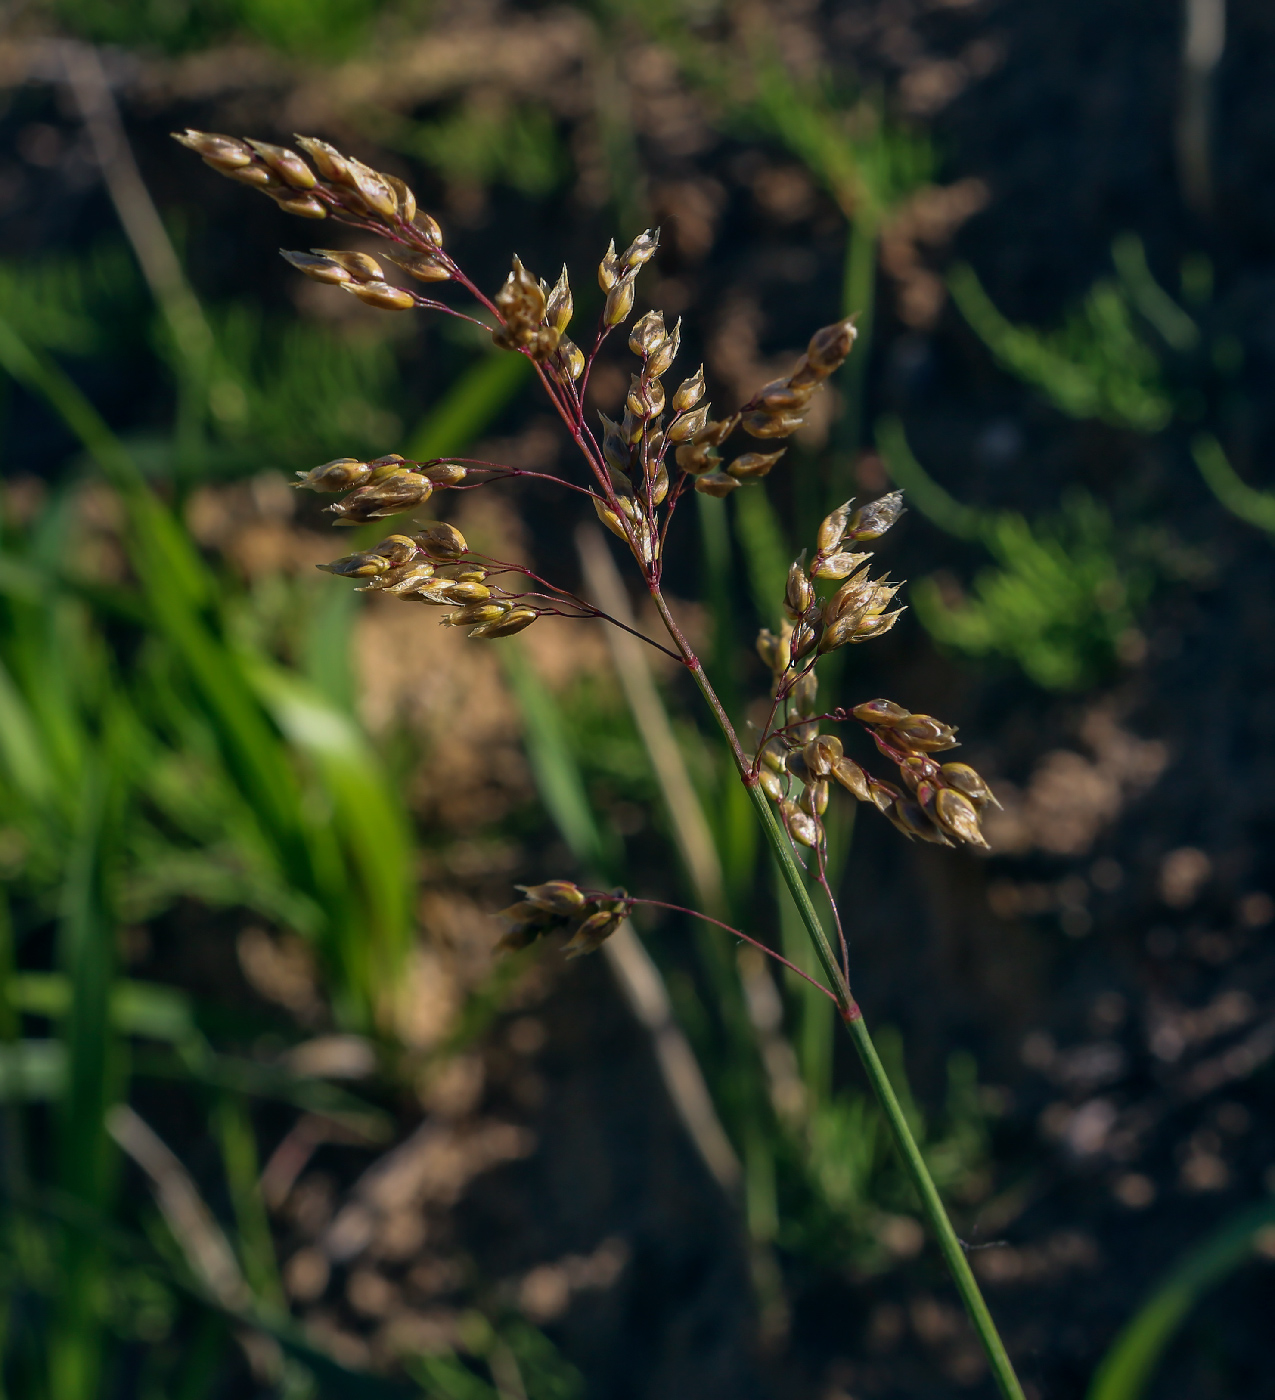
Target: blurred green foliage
314, 29
1064, 595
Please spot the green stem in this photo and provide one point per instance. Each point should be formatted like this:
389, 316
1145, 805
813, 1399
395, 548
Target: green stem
931, 1203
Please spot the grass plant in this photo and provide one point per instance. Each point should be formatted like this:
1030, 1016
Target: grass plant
637, 472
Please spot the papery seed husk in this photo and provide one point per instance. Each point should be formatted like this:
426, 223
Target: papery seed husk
373, 189
799, 592
749, 466
760, 424
665, 352
255, 176
332, 165
771, 784
871, 521
619, 303
851, 777
316, 267
957, 815
341, 474
289, 166
832, 527
365, 564
361, 266
513, 621
572, 358
802, 827
881, 712
427, 225
227, 151
442, 540
303, 206
556, 897
689, 391
648, 332
609, 518
592, 933
383, 295
406, 199
780, 395
425, 267
476, 613
404, 580
814, 801
840, 565
830, 345
821, 753
641, 250
925, 732
716, 484
444, 473
609, 268
967, 782
688, 425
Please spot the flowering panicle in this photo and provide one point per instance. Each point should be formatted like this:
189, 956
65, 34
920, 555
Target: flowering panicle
590, 918
794, 764
663, 445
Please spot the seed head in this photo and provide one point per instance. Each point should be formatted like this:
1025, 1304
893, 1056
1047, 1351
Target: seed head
687, 426
442, 541
640, 251
383, 295
839, 565
851, 777
716, 484
361, 267
924, 732
799, 592
609, 268
286, 164
424, 266
821, 754
223, 153
647, 333
444, 473
804, 828
397, 491
958, 817
555, 897
870, 522
689, 393
559, 305
513, 621
619, 303
762, 424
969, 783
829, 347
492, 610
331, 164
881, 712
341, 474
750, 466
665, 352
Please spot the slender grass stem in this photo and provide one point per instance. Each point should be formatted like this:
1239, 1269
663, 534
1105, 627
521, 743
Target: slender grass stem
950, 1247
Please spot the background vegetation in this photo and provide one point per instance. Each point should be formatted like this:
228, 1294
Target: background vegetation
275, 1120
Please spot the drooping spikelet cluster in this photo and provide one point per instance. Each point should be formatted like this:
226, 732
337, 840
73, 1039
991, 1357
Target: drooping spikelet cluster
341, 187
430, 567
590, 918
795, 763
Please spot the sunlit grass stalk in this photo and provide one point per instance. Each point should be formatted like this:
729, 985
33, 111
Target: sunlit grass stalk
638, 470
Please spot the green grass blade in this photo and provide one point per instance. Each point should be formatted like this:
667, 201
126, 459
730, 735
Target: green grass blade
469, 405
1242, 500
553, 762
1126, 1370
